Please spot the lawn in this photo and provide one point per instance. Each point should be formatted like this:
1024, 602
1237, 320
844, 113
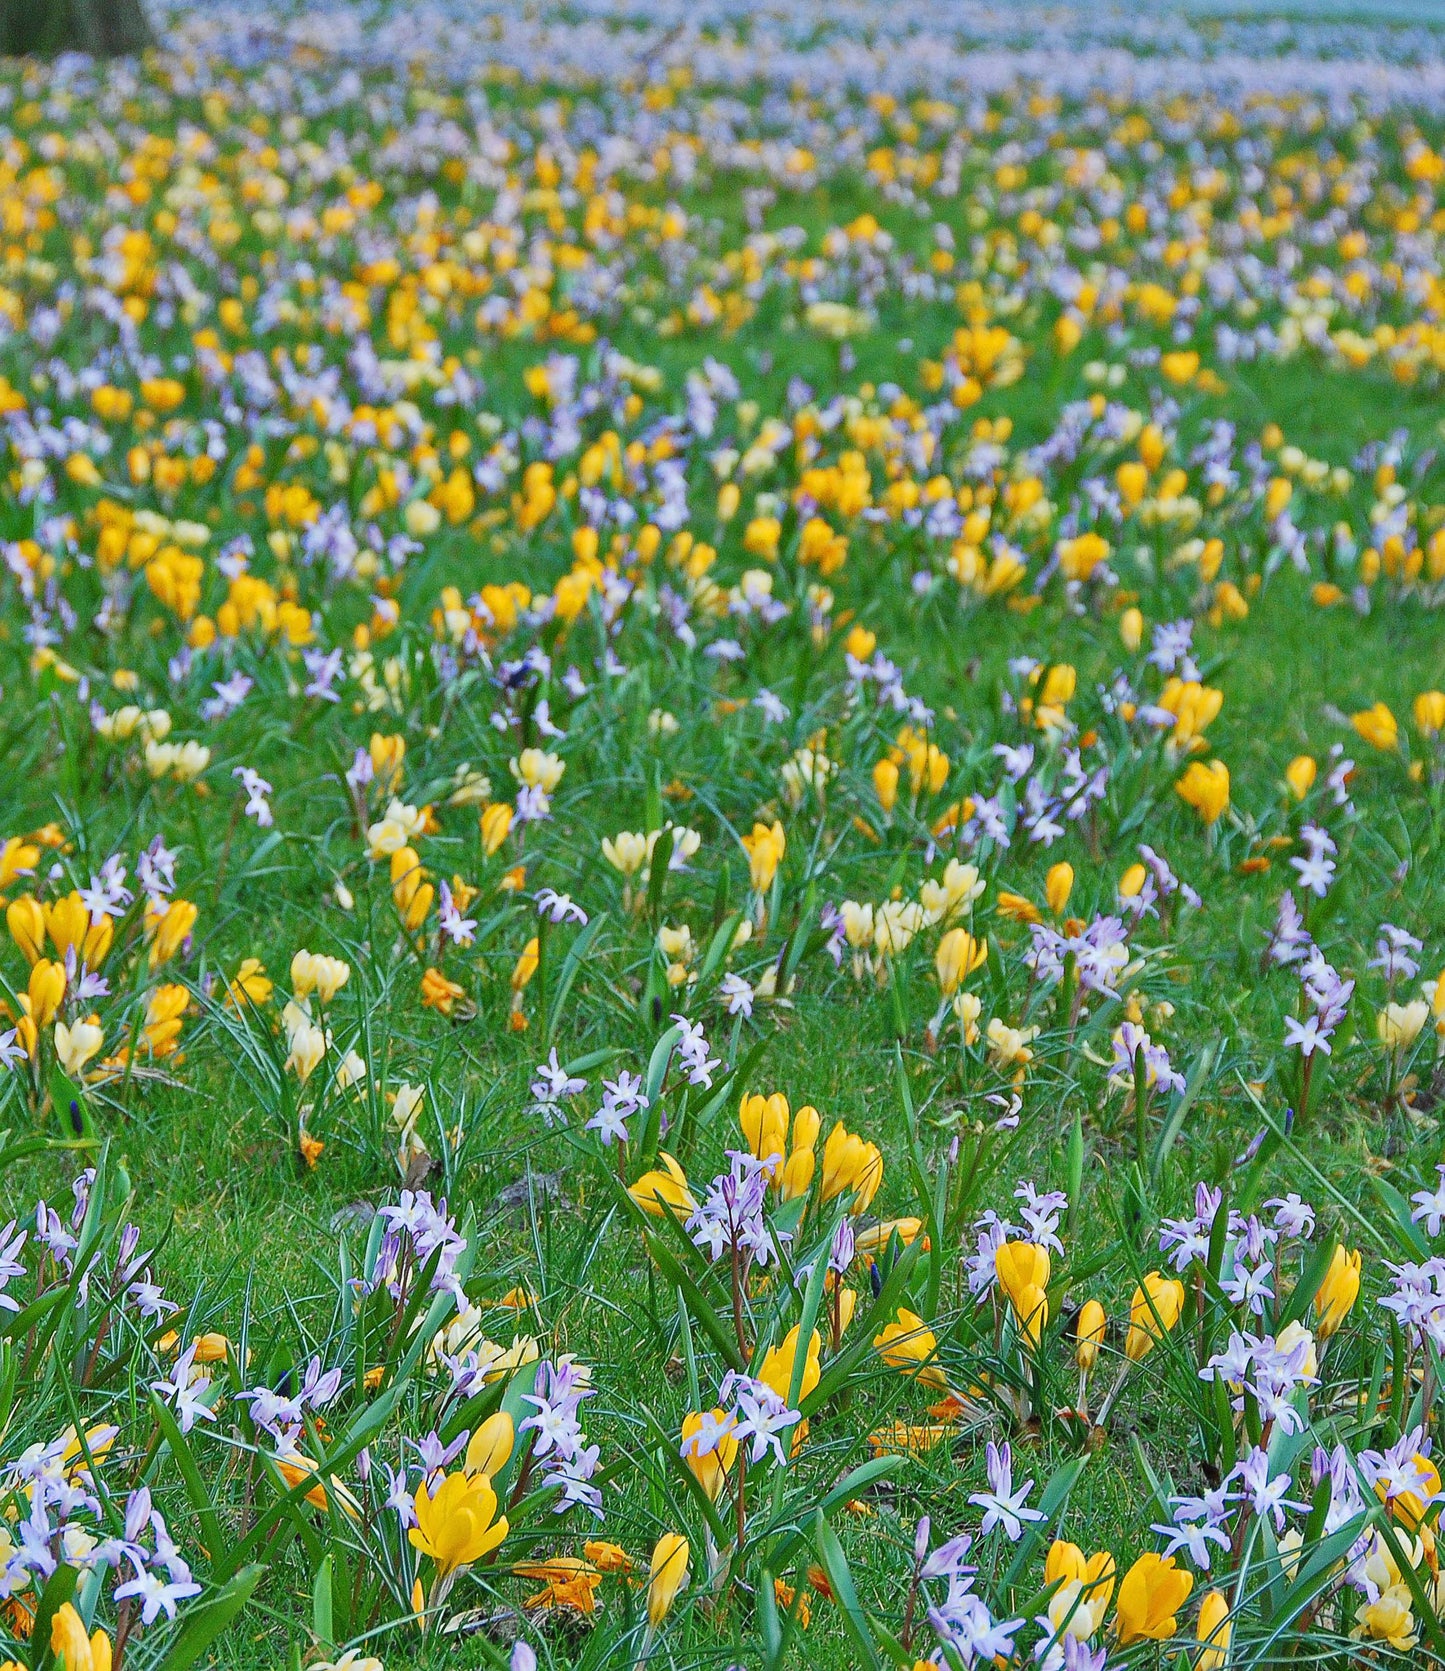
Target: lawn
724, 747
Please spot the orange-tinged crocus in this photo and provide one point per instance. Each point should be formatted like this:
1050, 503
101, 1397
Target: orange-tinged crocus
1153, 1312
1205, 788
664, 1187
496, 822
1378, 726
438, 993
1336, 1295
666, 1576
458, 1523
908, 1344
1150, 1596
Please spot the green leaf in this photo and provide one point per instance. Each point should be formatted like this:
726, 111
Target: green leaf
321, 1616
835, 1564
206, 1622
571, 964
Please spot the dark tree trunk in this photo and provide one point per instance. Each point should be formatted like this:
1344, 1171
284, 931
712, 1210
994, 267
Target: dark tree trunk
42, 28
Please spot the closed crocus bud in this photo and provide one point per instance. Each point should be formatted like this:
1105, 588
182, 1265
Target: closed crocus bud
908, 1344
1150, 1596
46, 989
1213, 1631
1153, 1312
1058, 885
490, 1447
1300, 775
666, 1576
958, 955
72, 1648
1131, 883
66, 921
664, 1187
496, 822
1429, 712
885, 783
1131, 628
526, 965
764, 1121
709, 1448
1336, 1295
25, 918
1378, 726
1021, 1266
1089, 1334
172, 927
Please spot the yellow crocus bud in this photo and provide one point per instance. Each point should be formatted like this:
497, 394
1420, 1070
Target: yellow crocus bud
908, 1344
885, 783
667, 1576
72, 1648
526, 965
764, 1122
1131, 628
1429, 710
387, 755
171, 928
765, 848
1058, 885
490, 1446
850, 1164
1205, 788
46, 989
1089, 1334
496, 822
860, 642
1023, 1274
664, 1187
1300, 775
1153, 1312
709, 1468
25, 918
1150, 1596
1378, 726
1336, 1295
67, 922
776, 1370
798, 1169
1131, 883
1020, 1266
1213, 1631
958, 955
